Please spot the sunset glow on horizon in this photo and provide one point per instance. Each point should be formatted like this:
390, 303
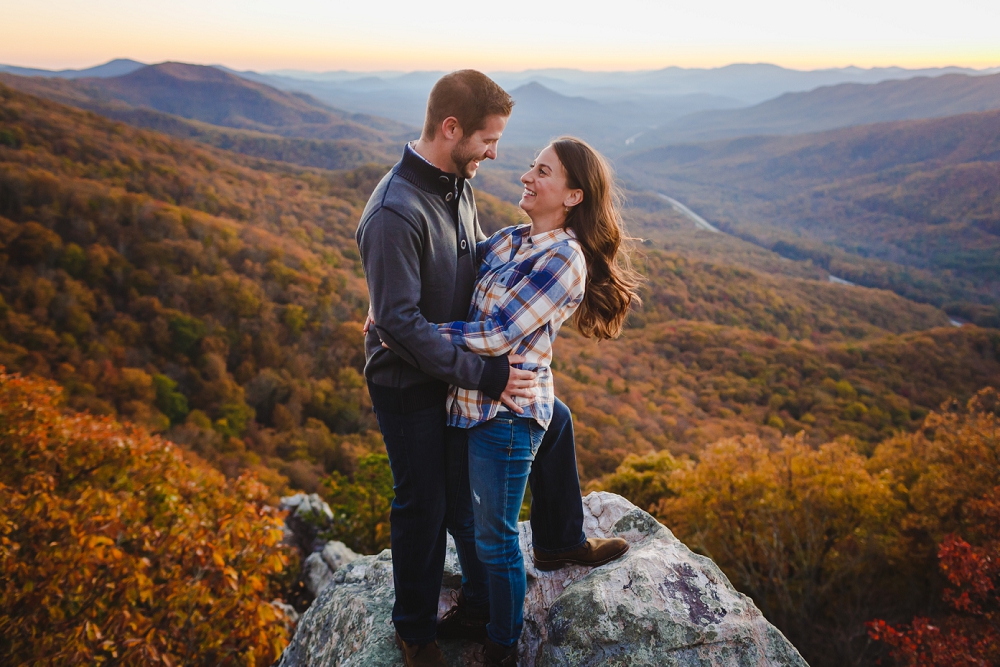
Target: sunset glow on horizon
637, 34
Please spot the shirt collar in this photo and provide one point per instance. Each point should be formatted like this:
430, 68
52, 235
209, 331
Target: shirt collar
413, 150
545, 239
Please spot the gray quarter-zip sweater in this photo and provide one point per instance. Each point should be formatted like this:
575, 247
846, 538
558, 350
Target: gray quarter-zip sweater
417, 239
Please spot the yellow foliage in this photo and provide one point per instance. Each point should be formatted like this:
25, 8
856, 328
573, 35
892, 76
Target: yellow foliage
952, 459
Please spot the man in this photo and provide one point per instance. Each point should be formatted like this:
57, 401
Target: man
417, 238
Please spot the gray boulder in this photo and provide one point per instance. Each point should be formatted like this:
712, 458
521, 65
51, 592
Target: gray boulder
316, 575
660, 604
308, 517
320, 566
336, 555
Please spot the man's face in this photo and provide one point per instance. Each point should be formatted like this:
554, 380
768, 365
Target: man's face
480, 145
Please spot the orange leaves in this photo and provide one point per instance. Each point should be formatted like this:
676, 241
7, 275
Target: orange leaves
101, 527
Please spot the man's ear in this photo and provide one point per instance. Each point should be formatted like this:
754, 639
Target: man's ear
574, 198
451, 129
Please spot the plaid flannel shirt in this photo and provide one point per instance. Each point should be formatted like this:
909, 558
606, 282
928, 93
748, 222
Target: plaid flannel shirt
526, 288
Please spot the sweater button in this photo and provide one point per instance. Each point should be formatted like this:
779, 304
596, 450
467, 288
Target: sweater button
463, 244
449, 197
444, 179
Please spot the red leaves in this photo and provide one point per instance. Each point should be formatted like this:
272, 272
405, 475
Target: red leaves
927, 645
970, 636
971, 571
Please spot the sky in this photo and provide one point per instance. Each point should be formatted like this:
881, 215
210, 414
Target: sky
408, 35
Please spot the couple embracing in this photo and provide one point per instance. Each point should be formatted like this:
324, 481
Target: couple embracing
459, 354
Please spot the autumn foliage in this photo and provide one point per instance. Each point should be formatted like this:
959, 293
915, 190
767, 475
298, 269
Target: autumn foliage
115, 548
970, 633
777, 423
969, 554
826, 538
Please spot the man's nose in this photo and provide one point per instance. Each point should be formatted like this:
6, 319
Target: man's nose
491, 152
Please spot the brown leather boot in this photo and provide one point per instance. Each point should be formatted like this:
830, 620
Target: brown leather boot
463, 622
595, 551
420, 655
495, 655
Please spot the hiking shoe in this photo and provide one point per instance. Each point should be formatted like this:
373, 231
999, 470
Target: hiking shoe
420, 655
463, 622
495, 655
595, 551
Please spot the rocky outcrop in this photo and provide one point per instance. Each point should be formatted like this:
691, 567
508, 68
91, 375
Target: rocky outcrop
309, 517
660, 604
319, 567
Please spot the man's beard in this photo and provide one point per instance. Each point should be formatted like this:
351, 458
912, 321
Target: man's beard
463, 159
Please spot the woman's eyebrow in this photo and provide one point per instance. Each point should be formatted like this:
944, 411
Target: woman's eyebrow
542, 165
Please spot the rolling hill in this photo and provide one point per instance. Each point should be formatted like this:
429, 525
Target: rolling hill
541, 114
836, 106
116, 67
372, 140
655, 95
213, 96
216, 298
744, 83
912, 206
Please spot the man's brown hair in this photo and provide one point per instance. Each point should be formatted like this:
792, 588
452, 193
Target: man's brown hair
470, 96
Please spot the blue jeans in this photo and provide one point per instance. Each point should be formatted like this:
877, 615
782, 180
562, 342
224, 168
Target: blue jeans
500, 455
430, 468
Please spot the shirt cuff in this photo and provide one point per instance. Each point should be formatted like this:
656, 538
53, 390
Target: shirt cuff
496, 372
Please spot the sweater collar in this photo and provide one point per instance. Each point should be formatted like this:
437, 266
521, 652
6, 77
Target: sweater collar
417, 170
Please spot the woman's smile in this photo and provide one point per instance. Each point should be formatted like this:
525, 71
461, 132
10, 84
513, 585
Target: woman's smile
547, 198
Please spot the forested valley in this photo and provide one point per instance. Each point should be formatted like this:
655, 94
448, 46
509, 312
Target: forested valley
831, 447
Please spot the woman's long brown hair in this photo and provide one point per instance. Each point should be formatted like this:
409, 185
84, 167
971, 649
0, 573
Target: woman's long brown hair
611, 281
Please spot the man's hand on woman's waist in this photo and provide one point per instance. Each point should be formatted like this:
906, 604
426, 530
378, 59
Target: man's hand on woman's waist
519, 383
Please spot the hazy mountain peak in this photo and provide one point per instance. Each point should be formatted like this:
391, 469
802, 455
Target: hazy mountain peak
193, 73
116, 67
534, 86
534, 91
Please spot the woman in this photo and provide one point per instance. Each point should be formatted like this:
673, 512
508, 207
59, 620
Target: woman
533, 278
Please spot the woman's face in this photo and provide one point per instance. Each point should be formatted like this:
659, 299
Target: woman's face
545, 191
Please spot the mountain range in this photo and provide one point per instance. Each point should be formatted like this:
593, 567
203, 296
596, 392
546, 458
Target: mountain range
219, 298
664, 91
904, 205
219, 108
811, 279
629, 104
214, 96
912, 206
116, 67
840, 105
